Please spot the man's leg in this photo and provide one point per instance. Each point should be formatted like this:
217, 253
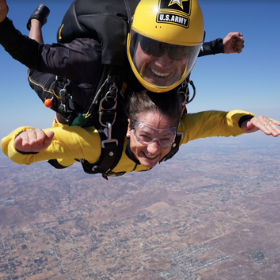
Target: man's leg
35, 32
43, 84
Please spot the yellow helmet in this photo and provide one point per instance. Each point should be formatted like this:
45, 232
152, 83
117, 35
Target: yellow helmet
164, 42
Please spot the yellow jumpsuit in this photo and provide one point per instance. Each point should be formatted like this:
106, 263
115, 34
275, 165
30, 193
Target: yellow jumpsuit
70, 143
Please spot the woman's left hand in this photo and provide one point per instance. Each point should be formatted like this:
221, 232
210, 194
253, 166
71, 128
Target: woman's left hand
268, 125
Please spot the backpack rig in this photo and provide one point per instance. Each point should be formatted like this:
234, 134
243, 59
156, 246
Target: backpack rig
106, 21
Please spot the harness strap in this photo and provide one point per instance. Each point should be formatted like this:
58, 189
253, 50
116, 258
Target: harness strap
112, 137
184, 90
106, 160
110, 155
55, 164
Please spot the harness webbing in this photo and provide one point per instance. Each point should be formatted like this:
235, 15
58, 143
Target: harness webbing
110, 155
112, 135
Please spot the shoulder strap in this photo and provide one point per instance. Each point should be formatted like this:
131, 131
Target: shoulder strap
111, 130
110, 155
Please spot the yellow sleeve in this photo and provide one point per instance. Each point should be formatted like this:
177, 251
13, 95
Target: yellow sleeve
211, 124
69, 143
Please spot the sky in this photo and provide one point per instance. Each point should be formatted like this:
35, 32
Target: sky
248, 81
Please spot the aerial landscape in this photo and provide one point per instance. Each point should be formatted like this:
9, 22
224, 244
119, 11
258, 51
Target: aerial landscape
209, 213
212, 212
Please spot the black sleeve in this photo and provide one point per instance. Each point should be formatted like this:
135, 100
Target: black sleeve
79, 60
212, 47
20, 47
244, 118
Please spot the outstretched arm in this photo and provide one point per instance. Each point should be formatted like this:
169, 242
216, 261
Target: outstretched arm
26, 145
267, 125
33, 141
4, 9
233, 43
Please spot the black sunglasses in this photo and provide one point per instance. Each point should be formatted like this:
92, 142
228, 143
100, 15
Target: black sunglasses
157, 49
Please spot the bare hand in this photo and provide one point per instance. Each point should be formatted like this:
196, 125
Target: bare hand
233, 43
33, 140
4, 9
267, 125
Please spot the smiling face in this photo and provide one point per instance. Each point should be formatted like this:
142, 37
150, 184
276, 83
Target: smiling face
161, 71
160, 66
149, 155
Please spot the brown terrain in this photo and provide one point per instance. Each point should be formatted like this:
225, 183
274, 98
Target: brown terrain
210, 213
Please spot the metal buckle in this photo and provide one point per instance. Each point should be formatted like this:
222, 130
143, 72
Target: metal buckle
109, 136
100, 118
112, 96
105, 99
62, 95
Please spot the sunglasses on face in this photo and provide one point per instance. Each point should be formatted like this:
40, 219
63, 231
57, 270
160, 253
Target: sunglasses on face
145, 135
157, 49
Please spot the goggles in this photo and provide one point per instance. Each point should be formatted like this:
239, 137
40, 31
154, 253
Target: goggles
157, 49
145, 135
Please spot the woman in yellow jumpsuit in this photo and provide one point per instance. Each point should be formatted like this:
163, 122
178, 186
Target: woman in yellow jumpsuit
152, 127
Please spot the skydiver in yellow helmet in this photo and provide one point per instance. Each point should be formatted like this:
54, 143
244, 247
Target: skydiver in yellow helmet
164, 42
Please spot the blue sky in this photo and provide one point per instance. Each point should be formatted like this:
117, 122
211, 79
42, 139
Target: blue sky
248, 81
